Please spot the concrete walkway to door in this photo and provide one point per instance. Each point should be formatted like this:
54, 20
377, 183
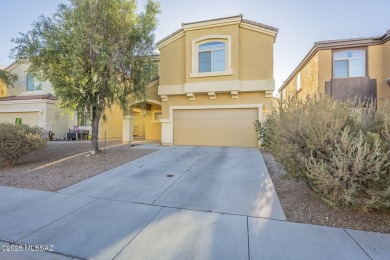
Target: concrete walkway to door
177, 203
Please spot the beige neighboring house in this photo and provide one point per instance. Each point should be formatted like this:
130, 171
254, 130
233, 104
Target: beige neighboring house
215, 80
343, 69
32, 101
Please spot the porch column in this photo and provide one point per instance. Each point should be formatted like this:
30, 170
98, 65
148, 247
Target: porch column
128, 128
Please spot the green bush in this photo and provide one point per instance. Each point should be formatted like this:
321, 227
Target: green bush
19, 140
341, 149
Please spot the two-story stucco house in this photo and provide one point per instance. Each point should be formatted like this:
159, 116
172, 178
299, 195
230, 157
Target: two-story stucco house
343, 69
32, 101
215, 80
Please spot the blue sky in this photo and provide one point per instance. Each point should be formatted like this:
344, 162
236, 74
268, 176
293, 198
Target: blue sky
300, 22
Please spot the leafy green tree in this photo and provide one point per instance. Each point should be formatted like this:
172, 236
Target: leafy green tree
94, 52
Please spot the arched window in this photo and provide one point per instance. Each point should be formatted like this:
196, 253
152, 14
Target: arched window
212, 56
348, 64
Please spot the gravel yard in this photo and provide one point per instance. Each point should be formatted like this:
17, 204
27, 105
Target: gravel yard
301, 204
62, 164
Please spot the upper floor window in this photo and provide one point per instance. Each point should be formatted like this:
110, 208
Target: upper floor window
211, 56
32, 84
347, 64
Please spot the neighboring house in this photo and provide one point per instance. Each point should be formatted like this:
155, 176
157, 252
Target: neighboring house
36, 104
215, 80
343, 69
32, 101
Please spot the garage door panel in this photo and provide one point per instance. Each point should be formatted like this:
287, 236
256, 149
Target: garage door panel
216, 127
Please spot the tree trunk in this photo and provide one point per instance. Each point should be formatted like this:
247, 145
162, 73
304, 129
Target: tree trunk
95, 130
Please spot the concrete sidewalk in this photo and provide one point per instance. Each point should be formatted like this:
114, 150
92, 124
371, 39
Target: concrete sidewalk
176, 203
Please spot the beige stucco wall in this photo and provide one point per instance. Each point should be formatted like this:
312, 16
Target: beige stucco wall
255, 55
113, 126
231, 30
152, 92
379, 69
309, 80
3, 89
152, 128
172, 63
375, 70
324, 69
19, 88
385, 89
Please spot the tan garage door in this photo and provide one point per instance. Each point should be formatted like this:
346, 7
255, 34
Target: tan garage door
215, 127
28, 118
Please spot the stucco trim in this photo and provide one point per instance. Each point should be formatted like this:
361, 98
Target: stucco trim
217, 86
21, 110
171, 90
29, 101
212, 86
257, 85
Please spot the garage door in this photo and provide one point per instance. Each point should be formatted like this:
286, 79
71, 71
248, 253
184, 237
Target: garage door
28, 118
215, 127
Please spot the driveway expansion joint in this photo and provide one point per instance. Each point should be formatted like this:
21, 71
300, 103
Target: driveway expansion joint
247, 231
357, 243
184, 173
56, 220
138, 232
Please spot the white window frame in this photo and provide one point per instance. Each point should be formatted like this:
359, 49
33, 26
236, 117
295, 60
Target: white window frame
348, 59
228, 56
26, 74
299, 87
154, 112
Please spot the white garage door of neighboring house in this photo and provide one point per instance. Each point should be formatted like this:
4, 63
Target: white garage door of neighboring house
215, 127
28, 118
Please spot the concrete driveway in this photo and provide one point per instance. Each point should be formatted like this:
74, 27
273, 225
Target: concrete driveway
177, 203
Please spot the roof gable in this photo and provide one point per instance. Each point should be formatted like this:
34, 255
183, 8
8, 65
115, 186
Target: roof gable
238, 19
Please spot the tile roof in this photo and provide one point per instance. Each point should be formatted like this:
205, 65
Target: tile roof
170, 36
260, 25
47, 96
217, 19
373, 38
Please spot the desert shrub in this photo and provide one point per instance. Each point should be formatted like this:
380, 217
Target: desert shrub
341, 149
299, 128
19, 140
